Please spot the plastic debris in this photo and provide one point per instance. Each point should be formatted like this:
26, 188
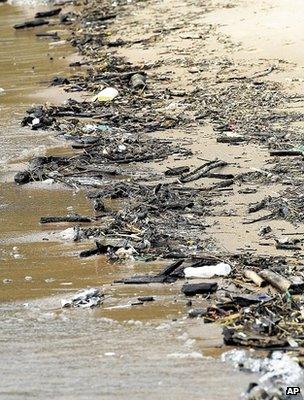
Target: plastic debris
197, 312
208, 271
87, 298
106, 94
125, 254
138, 81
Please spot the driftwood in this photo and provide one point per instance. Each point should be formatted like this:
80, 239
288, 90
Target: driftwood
214, 175
230, 139
145, 299
98, 249
48, 35
177, 171
162, 277
287, 246
202, 171
145, 279
31, 24
68, 218
170, 268
262, 218
50, 13
254, 207
285, 153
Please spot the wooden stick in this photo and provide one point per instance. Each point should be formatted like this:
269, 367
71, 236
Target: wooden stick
202, 171
285, 153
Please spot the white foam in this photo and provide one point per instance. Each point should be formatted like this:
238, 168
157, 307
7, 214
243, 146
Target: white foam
279, 368
193, 354
27, 2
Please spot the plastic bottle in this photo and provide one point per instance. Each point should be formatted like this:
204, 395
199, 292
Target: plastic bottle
208, 271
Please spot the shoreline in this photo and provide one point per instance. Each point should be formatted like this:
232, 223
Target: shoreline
168, 216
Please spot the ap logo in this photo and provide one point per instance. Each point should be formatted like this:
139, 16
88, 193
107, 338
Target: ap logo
293, 392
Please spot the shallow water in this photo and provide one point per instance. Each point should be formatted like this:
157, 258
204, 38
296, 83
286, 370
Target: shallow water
116, 352
26, 248
25, 61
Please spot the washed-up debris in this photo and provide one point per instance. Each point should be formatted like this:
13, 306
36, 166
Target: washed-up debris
68, 218
254, 277
197, 312
264, 230
49, 13
145, 298
257, 206
152, 215
288, 244
276, 280
59, 80
22, 177
37, 119
99, 249
165, 276
51, 35
208, 271
230, 139
124, 254
138, 81
87, 298
285, 153
106, 94
177, 171
49, 280
31, 24
245, 300
191, 289
202, 171
269, 323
